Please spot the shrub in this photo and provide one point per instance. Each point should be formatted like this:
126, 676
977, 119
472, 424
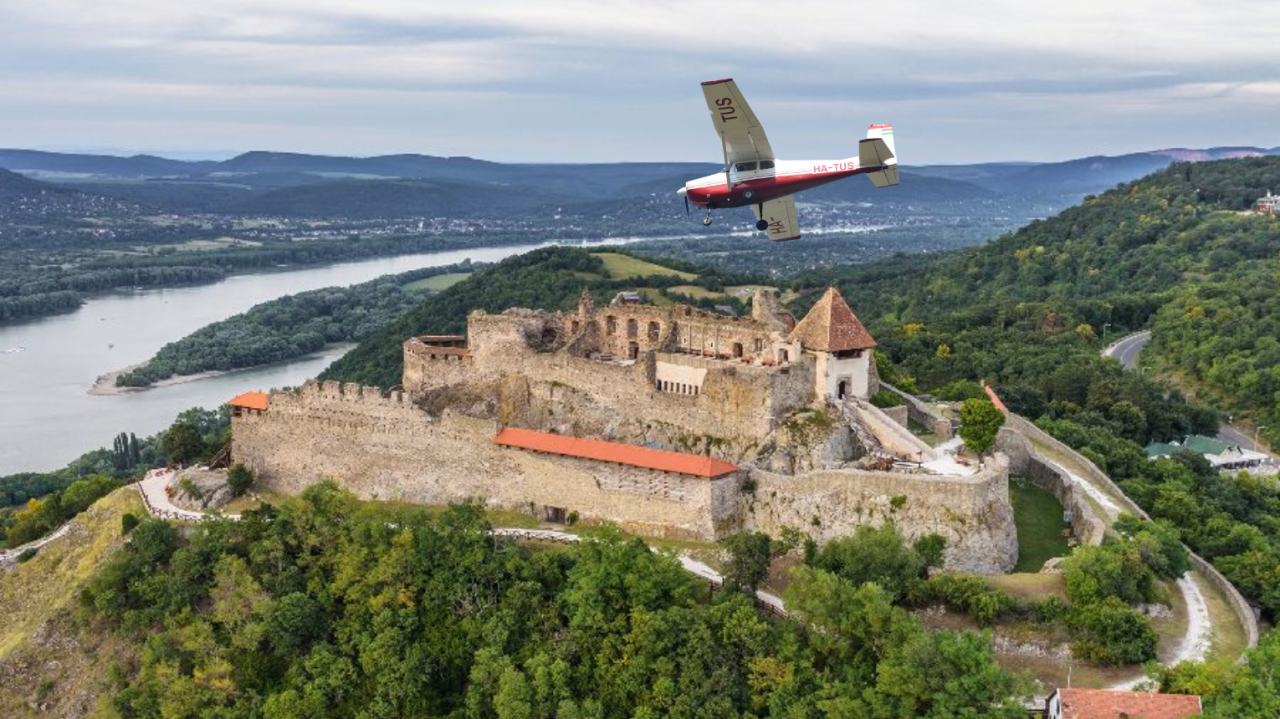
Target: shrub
930, 547
128, 521
1109, 571
27, 554
961, 593
1110, 633
748, 563
872, 554
885, 399
239, 479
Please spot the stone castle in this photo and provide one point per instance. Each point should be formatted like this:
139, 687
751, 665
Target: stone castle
668, 421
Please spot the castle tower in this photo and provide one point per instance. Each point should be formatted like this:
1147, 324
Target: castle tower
841, 347
586, 306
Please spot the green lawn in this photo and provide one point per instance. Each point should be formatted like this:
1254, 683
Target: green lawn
694, 291
621, 267
1038, 516
438, 282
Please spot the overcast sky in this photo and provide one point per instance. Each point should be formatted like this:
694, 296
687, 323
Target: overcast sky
539, 80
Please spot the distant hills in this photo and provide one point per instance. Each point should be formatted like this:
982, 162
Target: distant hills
302, 185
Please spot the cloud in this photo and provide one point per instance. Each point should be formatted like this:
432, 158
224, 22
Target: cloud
617, 80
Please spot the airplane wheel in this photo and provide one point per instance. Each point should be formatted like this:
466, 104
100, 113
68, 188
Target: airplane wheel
762, 225
706, 220
749, 195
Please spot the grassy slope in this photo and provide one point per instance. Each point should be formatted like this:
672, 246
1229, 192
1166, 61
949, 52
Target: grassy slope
624, 267
46, 658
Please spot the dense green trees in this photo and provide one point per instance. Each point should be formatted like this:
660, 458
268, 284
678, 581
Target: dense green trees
1224, 337
323, 607
287, 328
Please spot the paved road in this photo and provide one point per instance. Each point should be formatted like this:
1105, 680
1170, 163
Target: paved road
1126, 351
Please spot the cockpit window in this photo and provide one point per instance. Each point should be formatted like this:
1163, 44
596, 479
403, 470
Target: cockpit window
746, 166
766, 165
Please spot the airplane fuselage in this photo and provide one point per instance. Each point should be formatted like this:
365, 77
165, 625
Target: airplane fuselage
753, 187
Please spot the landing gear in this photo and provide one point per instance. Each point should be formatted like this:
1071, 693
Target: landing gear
749, 195
707, 220
762, 225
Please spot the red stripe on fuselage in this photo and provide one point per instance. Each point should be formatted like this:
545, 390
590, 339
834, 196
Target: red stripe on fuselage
767, 188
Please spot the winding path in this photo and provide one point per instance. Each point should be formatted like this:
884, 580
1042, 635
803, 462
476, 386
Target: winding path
1198, 639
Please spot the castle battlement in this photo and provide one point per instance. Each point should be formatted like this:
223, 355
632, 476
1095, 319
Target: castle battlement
601, 392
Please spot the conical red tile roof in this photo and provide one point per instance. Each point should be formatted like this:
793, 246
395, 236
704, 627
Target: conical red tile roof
832, 327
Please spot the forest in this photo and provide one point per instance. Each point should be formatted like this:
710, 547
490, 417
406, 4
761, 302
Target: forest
326, 607
289, 327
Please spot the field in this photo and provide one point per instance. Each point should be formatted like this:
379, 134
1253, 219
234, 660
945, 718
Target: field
1038, 516
438, 282
622, 267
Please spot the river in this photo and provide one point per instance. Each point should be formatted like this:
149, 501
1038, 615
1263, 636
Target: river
47, 416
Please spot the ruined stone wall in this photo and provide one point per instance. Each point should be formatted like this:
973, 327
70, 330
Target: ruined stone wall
387, 448
921, 412
1024, 461
735, 406
972, 513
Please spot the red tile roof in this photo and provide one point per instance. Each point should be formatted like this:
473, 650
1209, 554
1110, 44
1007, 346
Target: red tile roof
995, 398
1107, 704
832, 327
601, 451
250, 400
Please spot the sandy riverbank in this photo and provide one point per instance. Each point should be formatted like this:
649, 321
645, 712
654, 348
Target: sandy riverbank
105, 385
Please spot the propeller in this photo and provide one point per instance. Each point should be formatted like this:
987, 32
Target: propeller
686, 206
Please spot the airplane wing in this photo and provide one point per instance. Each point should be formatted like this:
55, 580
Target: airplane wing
781, 216
739, 130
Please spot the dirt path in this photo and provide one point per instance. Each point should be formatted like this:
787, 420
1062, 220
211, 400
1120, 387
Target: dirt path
1197, 641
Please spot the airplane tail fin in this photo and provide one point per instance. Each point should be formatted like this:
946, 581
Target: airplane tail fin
877, 151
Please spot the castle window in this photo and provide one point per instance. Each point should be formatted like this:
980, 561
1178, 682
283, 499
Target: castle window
758, 345
575, 326
737, 349
633, 328
784, 356
611, 324
654, 330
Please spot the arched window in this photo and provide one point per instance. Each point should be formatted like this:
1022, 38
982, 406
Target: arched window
633, 328
611, 325
654, 330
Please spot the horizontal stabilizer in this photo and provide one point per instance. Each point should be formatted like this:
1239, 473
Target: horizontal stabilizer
874, 153
886, 177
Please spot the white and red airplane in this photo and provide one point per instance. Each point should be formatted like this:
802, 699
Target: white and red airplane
753, 176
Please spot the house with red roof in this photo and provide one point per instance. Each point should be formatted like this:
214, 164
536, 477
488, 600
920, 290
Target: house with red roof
1072, 703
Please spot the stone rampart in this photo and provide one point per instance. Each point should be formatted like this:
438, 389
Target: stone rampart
921, 412
972, 513
387, 448
1239, 605
892, 436
1086, 526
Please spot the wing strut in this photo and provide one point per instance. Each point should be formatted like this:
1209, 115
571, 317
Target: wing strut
725, 146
